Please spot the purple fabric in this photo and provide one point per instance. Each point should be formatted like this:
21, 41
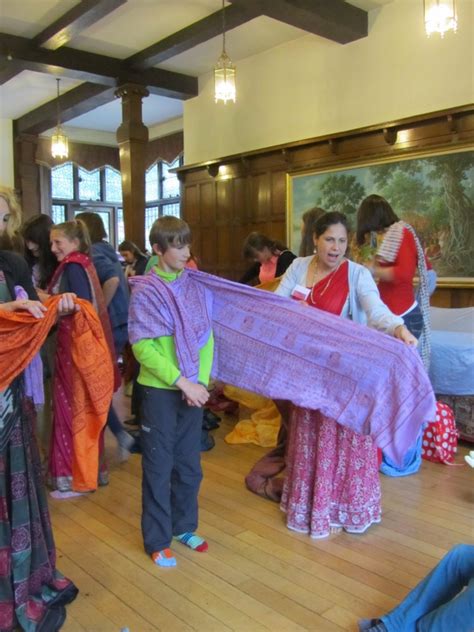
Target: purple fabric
33, 373
365, 380
181, 308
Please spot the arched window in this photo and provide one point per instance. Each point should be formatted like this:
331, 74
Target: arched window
162, 193
73, 189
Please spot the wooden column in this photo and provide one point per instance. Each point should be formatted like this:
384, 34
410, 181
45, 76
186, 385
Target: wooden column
132, 138
27, 180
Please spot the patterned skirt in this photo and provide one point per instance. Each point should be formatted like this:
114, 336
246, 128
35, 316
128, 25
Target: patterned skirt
33, 594
332, 477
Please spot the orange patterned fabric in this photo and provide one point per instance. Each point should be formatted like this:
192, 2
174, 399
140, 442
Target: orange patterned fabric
21, 336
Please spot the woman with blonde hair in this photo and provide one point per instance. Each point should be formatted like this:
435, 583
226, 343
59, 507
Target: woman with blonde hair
10, 220
69, 465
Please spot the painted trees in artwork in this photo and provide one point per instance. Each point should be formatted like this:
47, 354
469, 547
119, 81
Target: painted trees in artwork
340, 192
454, 175
434, 194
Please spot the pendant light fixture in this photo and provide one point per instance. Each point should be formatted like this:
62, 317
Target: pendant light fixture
59, 141
440, 16
224, 72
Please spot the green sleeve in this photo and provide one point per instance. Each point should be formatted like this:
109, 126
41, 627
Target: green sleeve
152, 261
206, 356
150, 356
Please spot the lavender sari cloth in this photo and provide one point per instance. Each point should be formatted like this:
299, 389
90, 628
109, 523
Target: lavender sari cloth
365, 380
33, 374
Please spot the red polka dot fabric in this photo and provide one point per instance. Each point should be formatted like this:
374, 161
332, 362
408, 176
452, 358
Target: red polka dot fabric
440, 438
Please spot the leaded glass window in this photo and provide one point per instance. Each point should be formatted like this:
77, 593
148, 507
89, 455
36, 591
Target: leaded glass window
120, 226
171, 209
62, 181
151, 214
151, 184
58, 213
113, 185
89, 184
170, 180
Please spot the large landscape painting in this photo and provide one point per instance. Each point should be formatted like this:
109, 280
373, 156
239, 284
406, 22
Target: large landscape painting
435, 194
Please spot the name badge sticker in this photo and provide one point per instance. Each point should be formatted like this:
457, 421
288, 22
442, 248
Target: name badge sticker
300, 293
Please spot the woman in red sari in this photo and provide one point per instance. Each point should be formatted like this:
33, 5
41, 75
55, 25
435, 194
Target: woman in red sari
332, 478
70, 244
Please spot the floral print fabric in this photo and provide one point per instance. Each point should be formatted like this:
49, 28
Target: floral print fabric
332, 477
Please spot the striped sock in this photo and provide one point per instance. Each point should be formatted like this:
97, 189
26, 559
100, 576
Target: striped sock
195, 542
164, 558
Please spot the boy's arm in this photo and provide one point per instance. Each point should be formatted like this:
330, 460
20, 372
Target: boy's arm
148, 354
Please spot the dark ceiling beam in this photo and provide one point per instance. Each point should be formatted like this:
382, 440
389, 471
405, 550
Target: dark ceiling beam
84, 66
74, 21
197, 33
9, 70
335, 20
76, 102
84, 14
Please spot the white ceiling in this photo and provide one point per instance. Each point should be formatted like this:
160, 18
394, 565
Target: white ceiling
130, 28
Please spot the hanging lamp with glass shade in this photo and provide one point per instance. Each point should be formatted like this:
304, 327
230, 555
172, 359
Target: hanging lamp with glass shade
440, 16
59, 140
224, 72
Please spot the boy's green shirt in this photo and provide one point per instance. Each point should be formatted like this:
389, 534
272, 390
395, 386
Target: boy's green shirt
157, 356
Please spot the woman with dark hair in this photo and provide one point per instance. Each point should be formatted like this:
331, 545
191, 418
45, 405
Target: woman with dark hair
271, 258
42, 264
111, 277
38, 255
308, 220
115, 291
332, 478
399, 258
135, 259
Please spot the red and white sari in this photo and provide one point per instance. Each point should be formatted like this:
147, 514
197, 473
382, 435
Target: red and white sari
332, 473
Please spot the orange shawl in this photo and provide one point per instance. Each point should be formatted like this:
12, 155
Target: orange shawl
21, 337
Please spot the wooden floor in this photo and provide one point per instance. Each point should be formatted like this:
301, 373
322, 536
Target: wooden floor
257, 575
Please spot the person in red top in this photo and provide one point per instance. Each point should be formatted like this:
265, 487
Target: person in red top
398, 260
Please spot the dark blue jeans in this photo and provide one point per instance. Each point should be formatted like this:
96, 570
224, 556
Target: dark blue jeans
439, 603
170, 435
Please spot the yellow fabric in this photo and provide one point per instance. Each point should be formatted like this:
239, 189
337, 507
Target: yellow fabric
263, 425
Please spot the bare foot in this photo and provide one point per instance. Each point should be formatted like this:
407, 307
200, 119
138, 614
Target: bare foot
335, 530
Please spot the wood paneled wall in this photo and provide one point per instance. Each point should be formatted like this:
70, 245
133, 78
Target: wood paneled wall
225, 200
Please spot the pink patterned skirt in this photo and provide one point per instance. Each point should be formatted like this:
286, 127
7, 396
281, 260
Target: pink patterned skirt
332, 477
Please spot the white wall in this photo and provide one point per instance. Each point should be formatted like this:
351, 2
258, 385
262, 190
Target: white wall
311, 87
6, 152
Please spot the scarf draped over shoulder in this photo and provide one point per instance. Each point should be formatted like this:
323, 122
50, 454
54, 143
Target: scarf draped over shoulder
181, 308
365, 380
21, 337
